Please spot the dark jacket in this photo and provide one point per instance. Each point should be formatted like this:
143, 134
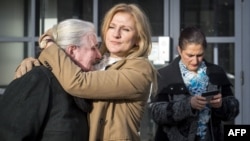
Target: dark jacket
172, 111
36, 108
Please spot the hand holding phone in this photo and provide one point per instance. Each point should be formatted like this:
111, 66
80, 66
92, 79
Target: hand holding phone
210, 94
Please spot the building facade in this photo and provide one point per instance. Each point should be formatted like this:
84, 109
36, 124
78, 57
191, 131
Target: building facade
225, 23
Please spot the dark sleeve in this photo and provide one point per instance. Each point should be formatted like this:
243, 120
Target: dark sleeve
23, 107
230, 105
173, 112
84, 104
229, 109
171, 105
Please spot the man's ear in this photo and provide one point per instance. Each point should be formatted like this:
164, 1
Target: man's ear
70, 50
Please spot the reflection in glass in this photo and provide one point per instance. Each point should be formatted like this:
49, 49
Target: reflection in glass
214, 17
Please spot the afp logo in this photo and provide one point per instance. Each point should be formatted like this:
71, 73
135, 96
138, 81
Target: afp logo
241, 132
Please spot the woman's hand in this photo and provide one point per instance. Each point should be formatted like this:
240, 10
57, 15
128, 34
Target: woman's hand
198, 102
46, 42
216, 101
46, 39
25, 66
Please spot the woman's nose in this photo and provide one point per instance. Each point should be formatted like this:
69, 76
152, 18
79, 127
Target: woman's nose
117, 33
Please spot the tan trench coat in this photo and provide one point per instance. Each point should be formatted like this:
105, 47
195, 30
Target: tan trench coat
119, 96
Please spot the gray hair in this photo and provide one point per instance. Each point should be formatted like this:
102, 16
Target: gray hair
71, 31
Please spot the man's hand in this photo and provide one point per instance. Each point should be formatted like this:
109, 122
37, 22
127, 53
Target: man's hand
25, 66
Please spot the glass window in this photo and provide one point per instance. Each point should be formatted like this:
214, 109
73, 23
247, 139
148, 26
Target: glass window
222, 54
54, 11
49, 15
152, 8
15, 32
78, 9
13, 22
214, 17
11, 55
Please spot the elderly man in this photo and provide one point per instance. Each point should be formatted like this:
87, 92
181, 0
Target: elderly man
34, 107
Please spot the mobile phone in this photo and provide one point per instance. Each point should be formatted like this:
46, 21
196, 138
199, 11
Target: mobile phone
210, 94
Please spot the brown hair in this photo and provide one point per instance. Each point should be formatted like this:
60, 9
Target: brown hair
192, 35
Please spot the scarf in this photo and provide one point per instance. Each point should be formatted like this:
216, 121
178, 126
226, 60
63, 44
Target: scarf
197, 84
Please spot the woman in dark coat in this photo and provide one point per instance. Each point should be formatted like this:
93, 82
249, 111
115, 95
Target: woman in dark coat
180, 109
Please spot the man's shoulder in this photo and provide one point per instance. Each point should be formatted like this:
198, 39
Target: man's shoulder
38, 73
33, 81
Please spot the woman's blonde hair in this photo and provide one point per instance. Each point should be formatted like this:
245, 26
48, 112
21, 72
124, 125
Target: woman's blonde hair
143, 29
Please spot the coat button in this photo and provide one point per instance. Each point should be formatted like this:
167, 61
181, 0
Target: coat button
48, 66
101, 121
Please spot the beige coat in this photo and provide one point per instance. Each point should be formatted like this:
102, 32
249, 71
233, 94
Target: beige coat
119, 94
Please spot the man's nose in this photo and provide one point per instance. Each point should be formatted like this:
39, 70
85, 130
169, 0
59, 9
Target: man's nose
99, 55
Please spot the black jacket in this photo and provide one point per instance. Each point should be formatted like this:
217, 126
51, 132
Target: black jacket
171, 108
36, 108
